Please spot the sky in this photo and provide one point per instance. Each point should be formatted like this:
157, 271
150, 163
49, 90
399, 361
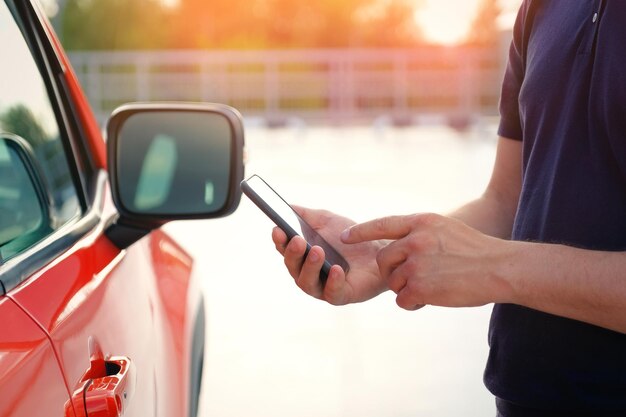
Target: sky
21, 82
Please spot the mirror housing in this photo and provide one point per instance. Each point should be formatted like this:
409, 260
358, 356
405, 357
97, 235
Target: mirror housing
172, 161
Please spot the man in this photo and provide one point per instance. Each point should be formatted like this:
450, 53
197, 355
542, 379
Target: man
546, 241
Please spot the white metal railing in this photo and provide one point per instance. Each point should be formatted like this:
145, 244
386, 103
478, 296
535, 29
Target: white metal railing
329, 84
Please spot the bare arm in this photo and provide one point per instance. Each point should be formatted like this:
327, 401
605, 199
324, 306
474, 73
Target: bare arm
580, 284
494, 211
442, 261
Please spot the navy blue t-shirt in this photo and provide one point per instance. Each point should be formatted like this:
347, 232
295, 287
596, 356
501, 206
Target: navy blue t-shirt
564, 96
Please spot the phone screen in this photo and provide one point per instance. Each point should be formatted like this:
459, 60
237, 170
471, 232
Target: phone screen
287, 219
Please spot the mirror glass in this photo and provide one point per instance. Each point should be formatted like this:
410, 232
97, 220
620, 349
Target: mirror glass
174, 162
23, 219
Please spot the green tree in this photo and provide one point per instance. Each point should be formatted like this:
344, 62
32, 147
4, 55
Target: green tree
21, 121
114, 24
294, 24
236, 24
323, 23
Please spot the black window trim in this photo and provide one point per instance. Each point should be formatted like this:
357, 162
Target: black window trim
89, 182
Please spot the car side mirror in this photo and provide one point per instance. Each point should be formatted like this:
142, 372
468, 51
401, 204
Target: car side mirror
24, 200
172, 161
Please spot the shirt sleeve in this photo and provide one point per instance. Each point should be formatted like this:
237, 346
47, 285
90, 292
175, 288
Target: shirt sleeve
510, 120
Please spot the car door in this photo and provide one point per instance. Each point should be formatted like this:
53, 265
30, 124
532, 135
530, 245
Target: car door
76, 299
30, 379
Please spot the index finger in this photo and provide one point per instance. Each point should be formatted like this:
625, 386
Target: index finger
392, 227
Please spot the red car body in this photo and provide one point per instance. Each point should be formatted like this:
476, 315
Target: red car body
86, 327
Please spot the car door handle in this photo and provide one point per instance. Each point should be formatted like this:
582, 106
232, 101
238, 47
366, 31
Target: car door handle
106, 388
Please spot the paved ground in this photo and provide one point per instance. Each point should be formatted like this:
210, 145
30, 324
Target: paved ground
272, 351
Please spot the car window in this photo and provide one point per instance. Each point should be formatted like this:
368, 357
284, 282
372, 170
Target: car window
27, 113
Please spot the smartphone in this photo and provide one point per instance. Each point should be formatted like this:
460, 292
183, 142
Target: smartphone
285, 217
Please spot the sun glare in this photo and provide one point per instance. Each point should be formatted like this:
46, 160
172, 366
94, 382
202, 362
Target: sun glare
445, 22
169, 3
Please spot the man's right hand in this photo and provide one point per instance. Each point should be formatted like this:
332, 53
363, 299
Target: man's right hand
361, 283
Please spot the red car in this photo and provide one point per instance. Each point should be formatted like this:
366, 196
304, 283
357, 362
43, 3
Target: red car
99, 311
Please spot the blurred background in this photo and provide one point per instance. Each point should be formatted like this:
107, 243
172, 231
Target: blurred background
363, 107
339, 61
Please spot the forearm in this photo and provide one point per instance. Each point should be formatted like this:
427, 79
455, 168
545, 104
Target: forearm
488, 214
493, 213
584, 285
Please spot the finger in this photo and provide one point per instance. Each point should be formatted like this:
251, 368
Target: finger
294, 255
280, 239
309, 278
396, 282
335, 289
392, 227
389, 258
408, 300
398, 278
